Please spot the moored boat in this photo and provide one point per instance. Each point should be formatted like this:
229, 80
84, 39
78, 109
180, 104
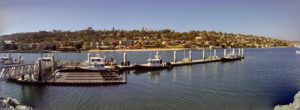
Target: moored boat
8, 60
98, 63
232, 56
154, 63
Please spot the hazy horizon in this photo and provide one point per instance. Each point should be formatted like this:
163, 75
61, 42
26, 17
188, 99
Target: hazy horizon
270, 18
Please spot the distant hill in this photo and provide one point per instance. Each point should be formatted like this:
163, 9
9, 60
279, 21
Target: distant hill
159, 38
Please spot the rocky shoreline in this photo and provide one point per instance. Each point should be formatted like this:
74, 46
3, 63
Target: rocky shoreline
7, 103
292, 106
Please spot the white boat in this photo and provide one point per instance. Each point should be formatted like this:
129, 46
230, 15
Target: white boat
96, 63
231, 56
154, 63
8, 60
298, 50
45, 59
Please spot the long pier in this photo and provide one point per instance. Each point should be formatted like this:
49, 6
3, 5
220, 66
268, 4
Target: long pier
79, 79
50, 73
189, 60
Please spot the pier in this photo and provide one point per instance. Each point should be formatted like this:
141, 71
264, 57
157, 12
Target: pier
189, 61
48, 71
79, 79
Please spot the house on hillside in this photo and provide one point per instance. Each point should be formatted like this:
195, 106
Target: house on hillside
8, 45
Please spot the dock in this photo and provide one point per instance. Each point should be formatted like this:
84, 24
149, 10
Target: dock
78, 79
60, 74
181, 63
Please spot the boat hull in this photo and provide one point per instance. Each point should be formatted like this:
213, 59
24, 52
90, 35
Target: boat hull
230, 59
142, 67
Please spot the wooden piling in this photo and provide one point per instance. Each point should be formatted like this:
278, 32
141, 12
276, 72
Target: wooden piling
190, 55
203, 54
124, 57
224, 52
174, 57
40, 70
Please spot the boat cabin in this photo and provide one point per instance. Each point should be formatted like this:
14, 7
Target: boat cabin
232, 55
156, 61
45, 59
5, 59
97, 61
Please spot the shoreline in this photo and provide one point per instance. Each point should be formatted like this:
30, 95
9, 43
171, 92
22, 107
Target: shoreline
120, 50
140, 50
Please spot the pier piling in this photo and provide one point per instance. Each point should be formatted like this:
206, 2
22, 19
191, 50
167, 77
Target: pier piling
224, 52
175, 56
190, 55
19, 58
124, 57
215, 52
203, 54
53, 63
40, 70
242, 52
88, 56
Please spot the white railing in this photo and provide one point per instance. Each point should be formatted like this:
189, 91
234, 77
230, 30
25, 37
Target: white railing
15, 71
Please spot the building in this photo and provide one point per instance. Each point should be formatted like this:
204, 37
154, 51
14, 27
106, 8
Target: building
126, 42
24, 47
8, 45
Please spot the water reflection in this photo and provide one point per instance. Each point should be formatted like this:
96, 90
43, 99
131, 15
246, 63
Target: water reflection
154, 76
31, 95
174, 75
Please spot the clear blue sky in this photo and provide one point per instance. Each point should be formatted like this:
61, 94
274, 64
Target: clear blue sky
274, 18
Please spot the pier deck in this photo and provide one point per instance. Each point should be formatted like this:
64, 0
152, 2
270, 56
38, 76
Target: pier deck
181, 63
79, 79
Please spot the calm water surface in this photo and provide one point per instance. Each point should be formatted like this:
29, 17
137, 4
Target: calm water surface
266, 77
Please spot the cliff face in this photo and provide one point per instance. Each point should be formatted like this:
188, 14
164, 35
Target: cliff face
292, 106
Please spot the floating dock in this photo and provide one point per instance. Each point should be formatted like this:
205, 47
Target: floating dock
181, 63
78, 79
36, 74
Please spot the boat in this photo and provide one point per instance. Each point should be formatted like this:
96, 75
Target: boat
8, 60
231, 57
298, 51
154, 63
99, 63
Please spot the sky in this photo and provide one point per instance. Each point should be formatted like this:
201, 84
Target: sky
271, 18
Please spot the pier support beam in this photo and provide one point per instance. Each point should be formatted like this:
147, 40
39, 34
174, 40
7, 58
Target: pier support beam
239, 52
53, 63
242, 52
215, 52
9, 57
88, 58
175, 57
20, 58
124, 57
190, 55
203, 54
40, 76
224, 53
233, 51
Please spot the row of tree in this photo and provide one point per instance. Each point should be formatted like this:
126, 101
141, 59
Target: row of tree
91, 35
